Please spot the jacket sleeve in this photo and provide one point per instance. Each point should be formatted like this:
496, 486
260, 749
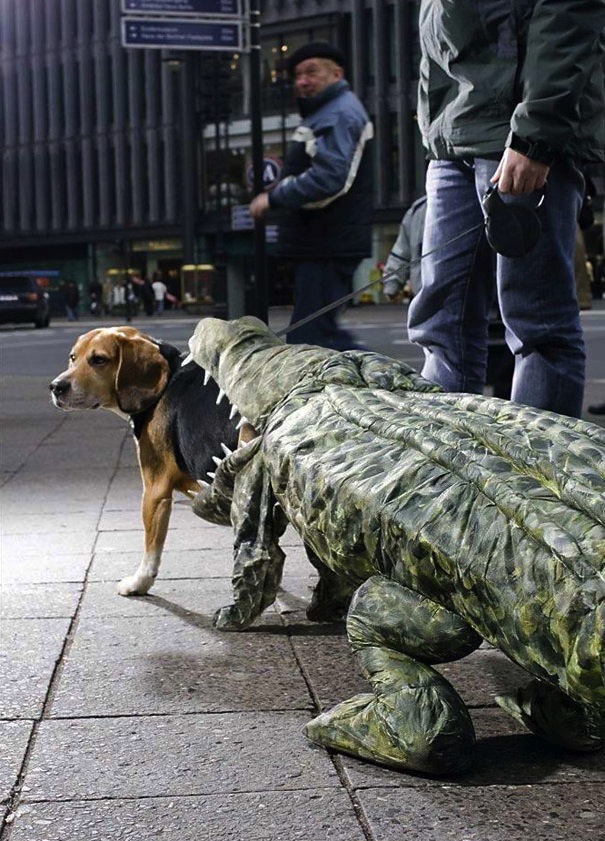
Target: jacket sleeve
565, 44
336, 153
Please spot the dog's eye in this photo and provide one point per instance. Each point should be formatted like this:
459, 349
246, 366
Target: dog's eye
97, 359
72, 357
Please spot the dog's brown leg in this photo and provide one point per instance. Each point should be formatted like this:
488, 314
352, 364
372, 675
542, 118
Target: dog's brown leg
156, 508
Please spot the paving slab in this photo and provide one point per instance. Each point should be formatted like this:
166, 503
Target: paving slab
53, 453
46, 524
39, 601
14, 736
39, 544
69, 492
176, 564
322, 814
28, 655
108, 437
194, 537
508, 813
176, 664
175, 756
299, 577
130, 518
190, 598
113, 560
124, 493
327, 660
44, 569
180, 596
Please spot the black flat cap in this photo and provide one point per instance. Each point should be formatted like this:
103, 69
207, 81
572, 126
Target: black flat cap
316, 49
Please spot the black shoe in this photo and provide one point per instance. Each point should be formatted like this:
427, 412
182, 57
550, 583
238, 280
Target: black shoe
599, 409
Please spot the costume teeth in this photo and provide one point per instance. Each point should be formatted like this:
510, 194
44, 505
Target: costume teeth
206, 377
218, 461
226, 450
202, 484
187, 360
241, 422
221, 394
234, 411
212, 475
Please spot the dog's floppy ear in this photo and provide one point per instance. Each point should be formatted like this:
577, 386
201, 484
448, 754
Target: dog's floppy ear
142, 374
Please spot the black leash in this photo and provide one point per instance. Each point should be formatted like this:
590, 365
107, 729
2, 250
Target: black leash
351, 295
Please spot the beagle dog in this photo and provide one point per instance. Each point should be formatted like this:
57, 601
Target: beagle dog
175, 413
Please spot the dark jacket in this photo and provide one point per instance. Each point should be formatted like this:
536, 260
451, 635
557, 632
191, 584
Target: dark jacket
326, 184
531, 66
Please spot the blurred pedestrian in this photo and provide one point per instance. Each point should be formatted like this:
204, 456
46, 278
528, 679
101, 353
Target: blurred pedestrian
402, 268
324, 196
72, 300
130, 298
95, 295
159, 292
147, 296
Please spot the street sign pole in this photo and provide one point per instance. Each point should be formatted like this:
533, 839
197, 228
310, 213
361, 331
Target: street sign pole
256, 126
189, 168
207, 25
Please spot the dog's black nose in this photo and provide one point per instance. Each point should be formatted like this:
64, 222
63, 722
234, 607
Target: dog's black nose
59, 387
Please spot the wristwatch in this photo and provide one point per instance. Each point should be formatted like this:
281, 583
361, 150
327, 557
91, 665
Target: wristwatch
536, 150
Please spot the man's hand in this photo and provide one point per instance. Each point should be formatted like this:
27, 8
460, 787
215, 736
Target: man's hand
519, 175
259, 205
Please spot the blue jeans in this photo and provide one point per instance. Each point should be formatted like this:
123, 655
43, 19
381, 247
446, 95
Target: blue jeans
317, 284
536, 293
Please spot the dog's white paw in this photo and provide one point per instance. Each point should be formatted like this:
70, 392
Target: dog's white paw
135, 585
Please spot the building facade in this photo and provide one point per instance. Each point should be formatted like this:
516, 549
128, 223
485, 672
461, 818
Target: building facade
116, 159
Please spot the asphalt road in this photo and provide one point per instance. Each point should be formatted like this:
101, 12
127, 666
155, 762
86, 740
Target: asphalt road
25, 351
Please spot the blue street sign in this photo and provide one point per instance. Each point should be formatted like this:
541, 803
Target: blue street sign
271, 172
173, 33
232, 8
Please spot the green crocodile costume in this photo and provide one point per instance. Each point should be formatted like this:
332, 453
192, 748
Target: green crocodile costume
456, 518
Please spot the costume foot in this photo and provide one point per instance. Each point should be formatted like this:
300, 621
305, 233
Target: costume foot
324, 607
230, 618
326, 612
435, 736
554, 716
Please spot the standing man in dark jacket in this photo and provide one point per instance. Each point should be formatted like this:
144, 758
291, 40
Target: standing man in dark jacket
511, 93
325, 193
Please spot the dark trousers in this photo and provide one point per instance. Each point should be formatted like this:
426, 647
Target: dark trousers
317, 284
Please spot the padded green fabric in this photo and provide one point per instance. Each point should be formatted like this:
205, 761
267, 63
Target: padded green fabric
483, 517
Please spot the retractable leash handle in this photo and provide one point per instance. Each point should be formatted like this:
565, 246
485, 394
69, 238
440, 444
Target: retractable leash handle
512, 229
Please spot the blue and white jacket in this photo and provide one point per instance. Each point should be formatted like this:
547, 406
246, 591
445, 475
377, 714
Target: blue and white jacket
326, 184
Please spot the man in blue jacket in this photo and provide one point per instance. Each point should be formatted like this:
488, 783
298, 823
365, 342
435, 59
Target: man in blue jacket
511, 93
325, 193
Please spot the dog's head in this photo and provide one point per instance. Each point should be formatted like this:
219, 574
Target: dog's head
116, 368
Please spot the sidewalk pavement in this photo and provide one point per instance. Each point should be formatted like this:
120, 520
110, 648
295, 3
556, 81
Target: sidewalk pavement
134, 719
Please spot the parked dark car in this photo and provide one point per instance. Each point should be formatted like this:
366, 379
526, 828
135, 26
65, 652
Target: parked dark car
23, 300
